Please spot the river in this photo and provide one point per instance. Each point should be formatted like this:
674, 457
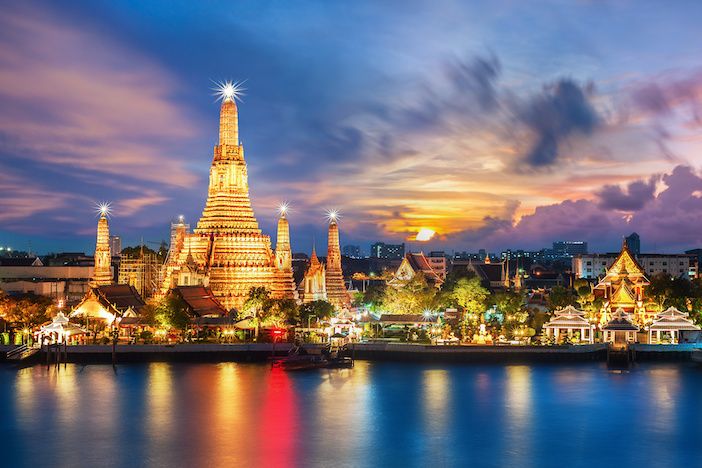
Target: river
376, 414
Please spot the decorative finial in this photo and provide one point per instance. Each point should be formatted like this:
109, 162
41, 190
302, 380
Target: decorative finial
283, 208
229, 90
103, 209
333, 215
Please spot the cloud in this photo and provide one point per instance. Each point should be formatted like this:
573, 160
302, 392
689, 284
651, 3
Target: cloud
82, 118
668, 220
72, 98
561, 110
633, 198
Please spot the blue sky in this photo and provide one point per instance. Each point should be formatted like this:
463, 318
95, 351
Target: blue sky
496, 124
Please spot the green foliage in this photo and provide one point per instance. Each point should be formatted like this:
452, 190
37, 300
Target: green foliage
257, 300
456, 274
26, 310
279, 313
470, 295
374, 294
511, 304
560, 297
667, 291
412, 297
320, 310
171, 313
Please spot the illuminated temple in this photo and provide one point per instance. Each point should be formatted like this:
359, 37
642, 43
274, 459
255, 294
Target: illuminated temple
102, 273
227, 251
624, 287
326, 282
337, 293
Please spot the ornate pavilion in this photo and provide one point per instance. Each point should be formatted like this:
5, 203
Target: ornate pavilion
570, 322
624, 287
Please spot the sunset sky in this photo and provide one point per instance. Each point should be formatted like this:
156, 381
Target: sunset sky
497, 124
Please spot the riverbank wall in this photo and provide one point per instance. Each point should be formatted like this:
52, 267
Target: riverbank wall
385, 351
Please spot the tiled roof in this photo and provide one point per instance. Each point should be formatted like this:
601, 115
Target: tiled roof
200, 300
120, 296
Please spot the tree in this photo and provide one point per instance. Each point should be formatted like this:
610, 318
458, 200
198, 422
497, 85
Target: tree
511, 303
374, 294
413, 297
255, 304
280, 313
667, 291
172, 313
320, 310
27, 310
454, 276
470, 295
560, 297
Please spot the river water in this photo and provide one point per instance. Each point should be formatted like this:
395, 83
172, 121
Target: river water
376, 414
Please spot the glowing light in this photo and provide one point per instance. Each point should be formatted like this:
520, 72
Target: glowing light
181, 219
283, 208
333, 215
229, 90
103, 209
424, 235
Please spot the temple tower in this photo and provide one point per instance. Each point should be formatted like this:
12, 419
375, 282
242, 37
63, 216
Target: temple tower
283, 254
336, 289
314, 286
102, 273
227, 249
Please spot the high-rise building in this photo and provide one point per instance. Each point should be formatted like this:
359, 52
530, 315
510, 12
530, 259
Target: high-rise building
353, 251
387, 251
116, 245
633, 242
227, 250
569, 248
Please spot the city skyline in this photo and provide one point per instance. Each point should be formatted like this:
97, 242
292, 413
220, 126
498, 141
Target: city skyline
491, 132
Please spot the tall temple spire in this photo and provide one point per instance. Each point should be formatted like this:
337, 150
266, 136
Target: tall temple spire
102, 272
228, 123
283, 254
336, 289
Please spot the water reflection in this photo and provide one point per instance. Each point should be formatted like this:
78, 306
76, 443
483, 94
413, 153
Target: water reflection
665, 391
435, 399
159, 407
377, 414
518, 395
278, 426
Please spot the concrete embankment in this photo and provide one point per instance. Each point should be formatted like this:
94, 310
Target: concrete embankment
678, 352
384, 351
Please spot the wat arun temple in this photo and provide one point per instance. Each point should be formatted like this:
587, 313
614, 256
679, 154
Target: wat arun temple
227, 250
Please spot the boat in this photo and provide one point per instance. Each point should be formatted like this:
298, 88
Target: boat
300, 362
299, 359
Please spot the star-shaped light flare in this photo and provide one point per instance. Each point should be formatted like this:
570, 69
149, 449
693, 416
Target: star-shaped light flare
103, 209
333, 215
229, 90
283, 208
